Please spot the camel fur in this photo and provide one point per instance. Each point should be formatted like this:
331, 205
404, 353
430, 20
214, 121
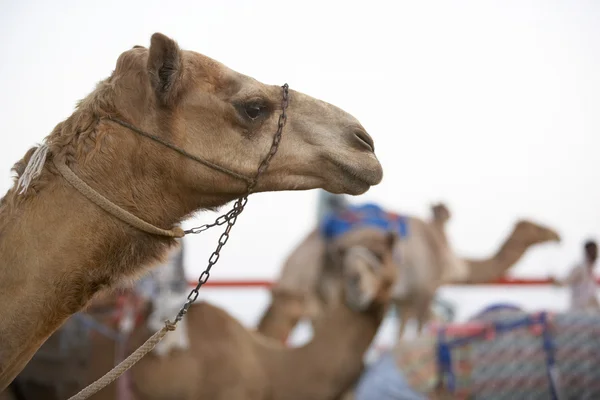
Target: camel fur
440, 215
57, 249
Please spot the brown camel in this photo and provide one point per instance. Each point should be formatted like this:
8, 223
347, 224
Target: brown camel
421, 258
293, 295
57, 248
227, 361
524, 235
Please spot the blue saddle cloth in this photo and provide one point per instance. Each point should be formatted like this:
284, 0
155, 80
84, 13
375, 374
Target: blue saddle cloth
337, 224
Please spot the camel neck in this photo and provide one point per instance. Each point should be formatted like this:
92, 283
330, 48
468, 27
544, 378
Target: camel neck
57, 250
440, 229
510, 252
277, 323
335, 354
110, 207
148, 188
485, 270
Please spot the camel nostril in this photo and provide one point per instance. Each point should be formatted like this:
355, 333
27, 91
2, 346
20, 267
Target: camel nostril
365, 139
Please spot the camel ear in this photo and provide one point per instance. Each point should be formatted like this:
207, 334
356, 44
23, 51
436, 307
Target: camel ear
165, 68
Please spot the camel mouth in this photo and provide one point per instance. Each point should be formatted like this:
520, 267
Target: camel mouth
357, 181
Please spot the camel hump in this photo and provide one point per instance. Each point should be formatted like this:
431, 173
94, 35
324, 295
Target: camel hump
440, 212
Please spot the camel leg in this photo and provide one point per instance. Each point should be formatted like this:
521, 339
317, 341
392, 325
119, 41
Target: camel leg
404, 313
423, 313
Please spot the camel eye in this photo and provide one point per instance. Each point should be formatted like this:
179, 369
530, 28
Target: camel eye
253, 111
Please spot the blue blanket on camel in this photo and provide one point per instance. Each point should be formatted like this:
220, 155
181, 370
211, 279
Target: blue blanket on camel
337, 224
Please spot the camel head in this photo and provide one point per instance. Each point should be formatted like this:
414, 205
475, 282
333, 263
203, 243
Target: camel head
368, 272
531, 233
440, 213
228, 119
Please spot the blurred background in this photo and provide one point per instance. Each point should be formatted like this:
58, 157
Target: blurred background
489, 106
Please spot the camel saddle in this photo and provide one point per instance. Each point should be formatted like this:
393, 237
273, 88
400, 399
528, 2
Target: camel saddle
338, 223
505, 354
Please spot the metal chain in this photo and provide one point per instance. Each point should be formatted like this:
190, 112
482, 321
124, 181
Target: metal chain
231, 216
276, 139
218, 222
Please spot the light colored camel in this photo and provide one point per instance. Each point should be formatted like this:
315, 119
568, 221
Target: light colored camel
57, 249
424, 263
440, 215
227, 361
419, 297
421, 258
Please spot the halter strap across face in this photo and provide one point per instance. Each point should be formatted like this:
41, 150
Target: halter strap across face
139, 223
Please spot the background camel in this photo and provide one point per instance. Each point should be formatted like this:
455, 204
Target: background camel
524, 235
227, 361
440, 215
294, 295
417, 302
421, 257
57, 249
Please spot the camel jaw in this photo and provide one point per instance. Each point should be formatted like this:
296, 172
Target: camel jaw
356, 180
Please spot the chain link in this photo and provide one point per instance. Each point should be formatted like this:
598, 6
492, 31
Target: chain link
230, 217
218, 222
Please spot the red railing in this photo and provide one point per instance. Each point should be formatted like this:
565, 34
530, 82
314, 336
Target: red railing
236, 284
239, 283
526, 282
